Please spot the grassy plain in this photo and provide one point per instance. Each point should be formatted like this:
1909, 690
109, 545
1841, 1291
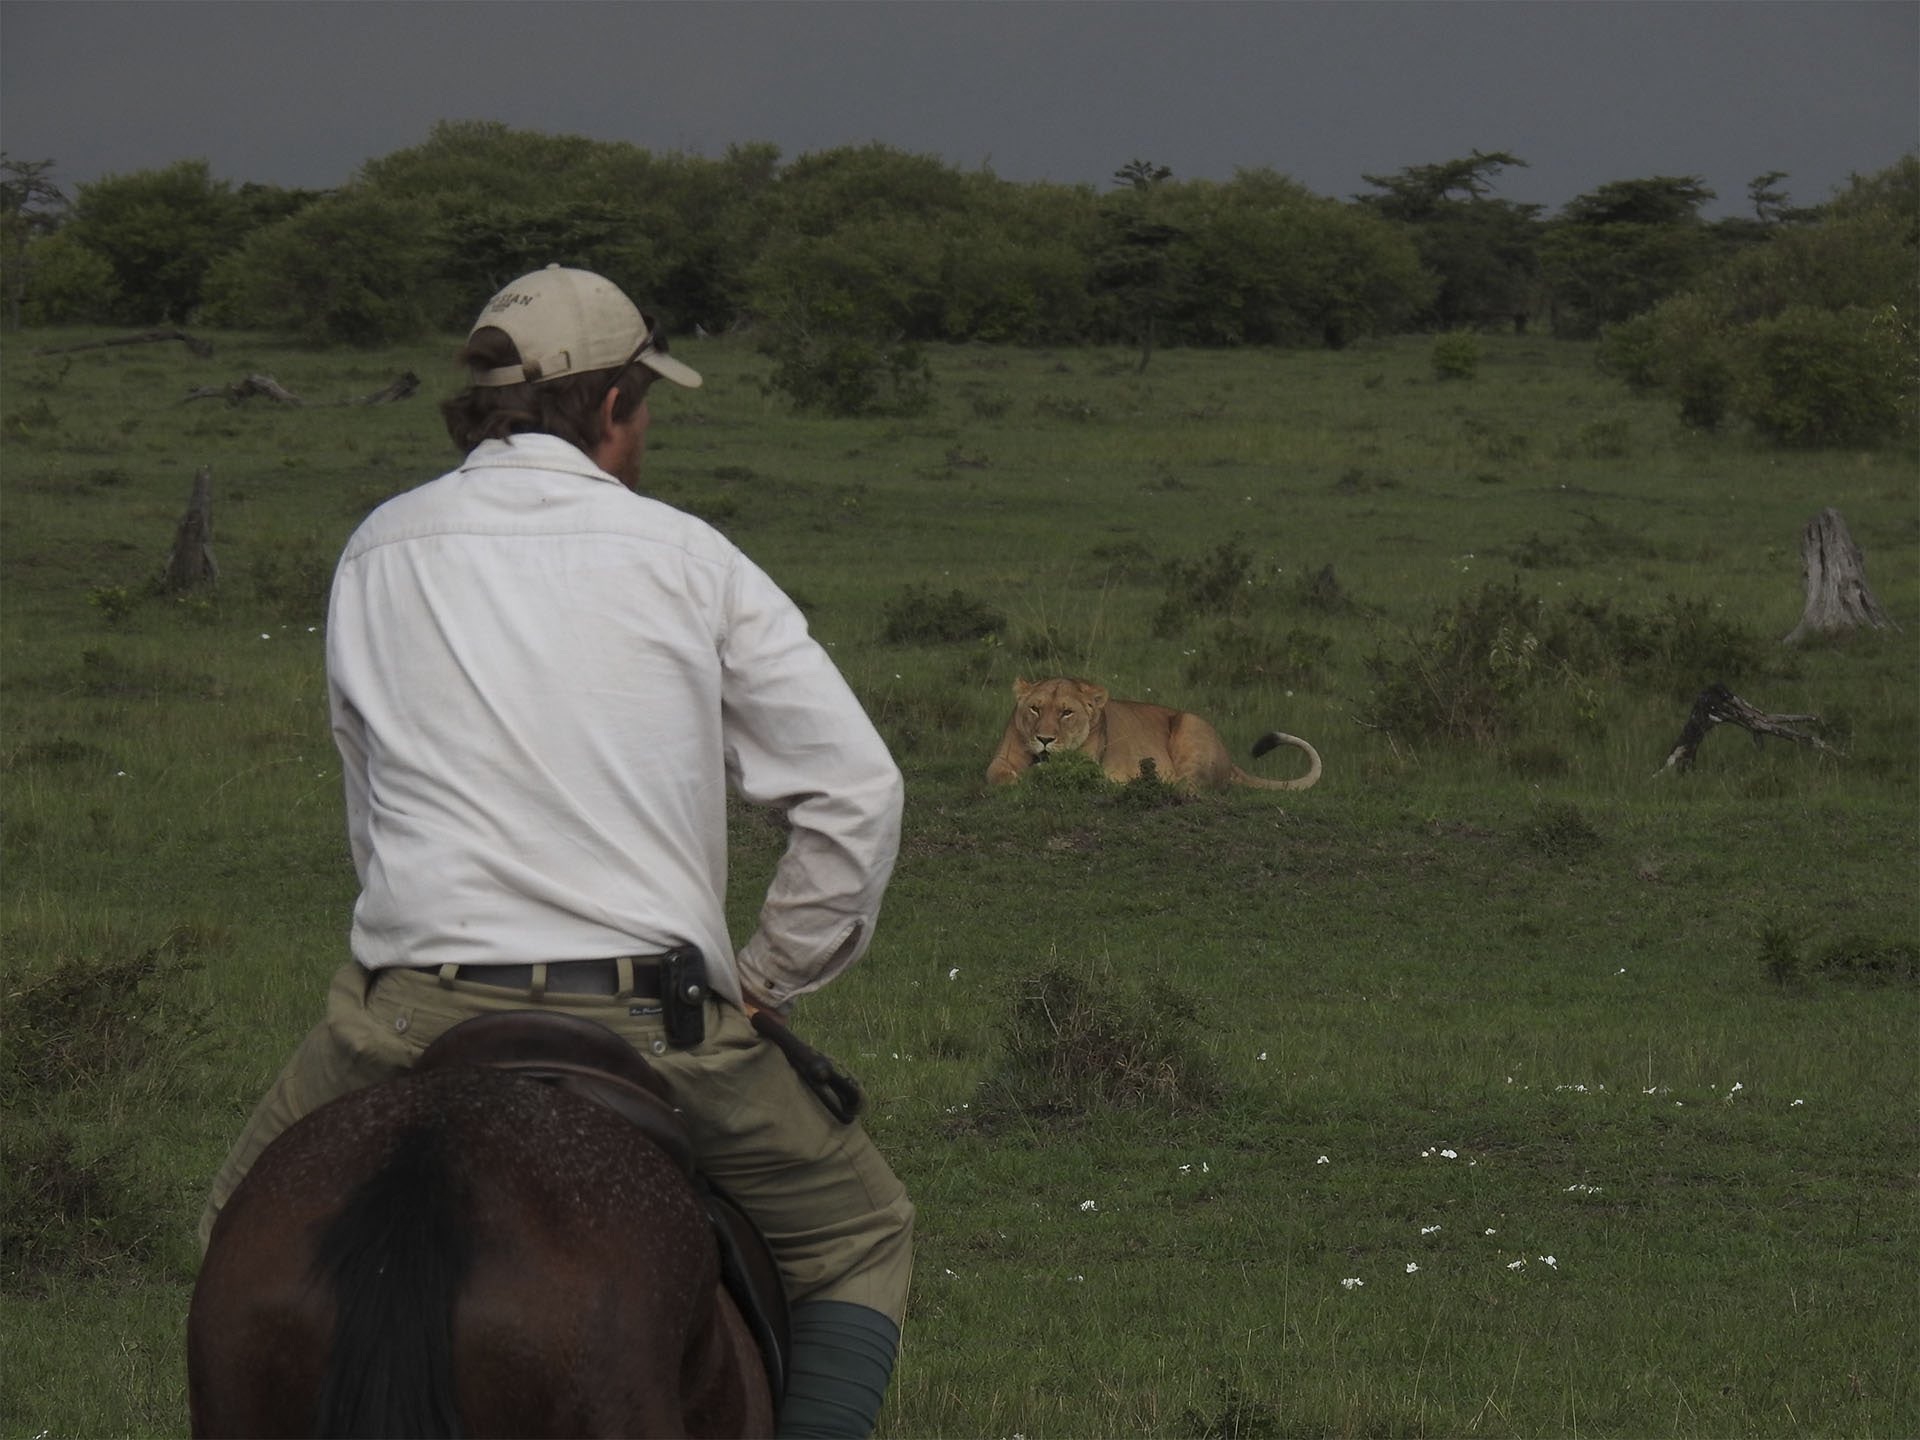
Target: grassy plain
1493, 1087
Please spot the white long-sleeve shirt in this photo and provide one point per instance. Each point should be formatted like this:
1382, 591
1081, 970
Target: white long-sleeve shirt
541, 686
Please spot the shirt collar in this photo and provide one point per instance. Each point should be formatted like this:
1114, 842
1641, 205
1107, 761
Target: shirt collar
535, 451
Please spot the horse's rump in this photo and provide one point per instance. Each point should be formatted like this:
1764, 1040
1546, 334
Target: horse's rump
478, 1253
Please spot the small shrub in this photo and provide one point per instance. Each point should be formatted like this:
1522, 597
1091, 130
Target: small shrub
65, 1214
114, 602
1780, 955
1456, 356
1861, 961
1068, 772
1083, 1040
1322, 592
1459, 680
1216, 584
917, 616
94, 1015
1238, 653
847, 376
1149, 790
1561, 831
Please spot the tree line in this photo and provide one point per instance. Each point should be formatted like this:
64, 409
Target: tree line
843, 262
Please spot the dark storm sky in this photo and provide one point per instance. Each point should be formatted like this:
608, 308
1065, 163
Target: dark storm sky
301, 92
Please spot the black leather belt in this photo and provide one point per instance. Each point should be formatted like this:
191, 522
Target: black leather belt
562, 977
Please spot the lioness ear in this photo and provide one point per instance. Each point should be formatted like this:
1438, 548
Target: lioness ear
1094, 695
1020, 689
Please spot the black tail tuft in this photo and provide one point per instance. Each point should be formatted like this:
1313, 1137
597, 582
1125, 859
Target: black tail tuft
395, 1258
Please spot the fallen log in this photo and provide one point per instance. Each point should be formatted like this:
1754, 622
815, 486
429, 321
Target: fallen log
1718, 705
1835, 569
246, 389
191, 563
202, 348
403, 385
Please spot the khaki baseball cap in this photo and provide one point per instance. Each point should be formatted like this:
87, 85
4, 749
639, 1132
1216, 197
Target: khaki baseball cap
565, 322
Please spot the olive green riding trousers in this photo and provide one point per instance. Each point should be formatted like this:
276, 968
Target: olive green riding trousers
838, 1221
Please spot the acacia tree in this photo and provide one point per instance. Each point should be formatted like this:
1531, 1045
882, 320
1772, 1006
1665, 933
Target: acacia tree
31, 206
1618, 251
1809, 337
1483, 252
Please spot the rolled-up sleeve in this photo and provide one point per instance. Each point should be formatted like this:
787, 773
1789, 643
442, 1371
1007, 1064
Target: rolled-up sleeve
798, 740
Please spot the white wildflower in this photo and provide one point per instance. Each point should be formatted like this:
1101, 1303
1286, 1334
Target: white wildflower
1324, 1161
1428, 1229
1449, 1154
1515, 1265
1086, 1205
1797, 1102
1352, 1282
1411, 1267
954, 973
1549, 1260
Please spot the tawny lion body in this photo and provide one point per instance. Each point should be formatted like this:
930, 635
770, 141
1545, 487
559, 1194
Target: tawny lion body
1053, 716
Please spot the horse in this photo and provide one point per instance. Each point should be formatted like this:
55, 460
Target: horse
466, 1250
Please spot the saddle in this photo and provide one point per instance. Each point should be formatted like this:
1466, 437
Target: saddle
586, 1059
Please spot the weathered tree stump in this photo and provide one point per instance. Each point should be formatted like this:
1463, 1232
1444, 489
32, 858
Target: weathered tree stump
1718, 705
191, 564
1837, 594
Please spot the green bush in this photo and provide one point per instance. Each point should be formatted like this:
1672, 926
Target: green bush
1456, 356
917, 616
358, 268
1215, 584
1816, 377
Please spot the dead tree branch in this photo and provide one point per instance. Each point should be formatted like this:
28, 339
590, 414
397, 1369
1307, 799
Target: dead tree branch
403, 385
1836, 573
1718, 705
191, 563
202, 348
246, 389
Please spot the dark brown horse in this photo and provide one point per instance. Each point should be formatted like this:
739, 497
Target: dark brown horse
468, 1252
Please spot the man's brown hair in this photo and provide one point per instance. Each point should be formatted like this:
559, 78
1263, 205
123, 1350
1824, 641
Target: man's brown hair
568, 408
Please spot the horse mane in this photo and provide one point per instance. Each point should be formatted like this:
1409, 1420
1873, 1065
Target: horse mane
395, 1261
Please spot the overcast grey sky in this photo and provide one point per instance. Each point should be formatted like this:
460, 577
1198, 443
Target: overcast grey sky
301, 92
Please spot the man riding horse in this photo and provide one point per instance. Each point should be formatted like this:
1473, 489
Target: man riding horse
542, 685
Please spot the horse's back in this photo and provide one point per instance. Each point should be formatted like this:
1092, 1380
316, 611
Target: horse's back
583, 1276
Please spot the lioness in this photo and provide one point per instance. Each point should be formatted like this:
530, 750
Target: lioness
1062, 714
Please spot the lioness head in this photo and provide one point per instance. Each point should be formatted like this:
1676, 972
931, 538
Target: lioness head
1053, 715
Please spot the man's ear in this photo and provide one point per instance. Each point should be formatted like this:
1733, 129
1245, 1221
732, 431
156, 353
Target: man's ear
607, 402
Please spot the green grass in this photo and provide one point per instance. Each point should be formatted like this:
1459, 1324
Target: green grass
1527, 950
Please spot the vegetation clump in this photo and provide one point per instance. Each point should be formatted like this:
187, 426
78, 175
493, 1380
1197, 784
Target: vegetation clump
1485, 659
1083, 1040
918, 616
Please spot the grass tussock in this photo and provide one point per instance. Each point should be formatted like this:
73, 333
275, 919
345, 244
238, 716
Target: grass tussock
1082, 1040
100, 1012
66, 1212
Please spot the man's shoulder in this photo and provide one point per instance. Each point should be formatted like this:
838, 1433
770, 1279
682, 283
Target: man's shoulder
502, 498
